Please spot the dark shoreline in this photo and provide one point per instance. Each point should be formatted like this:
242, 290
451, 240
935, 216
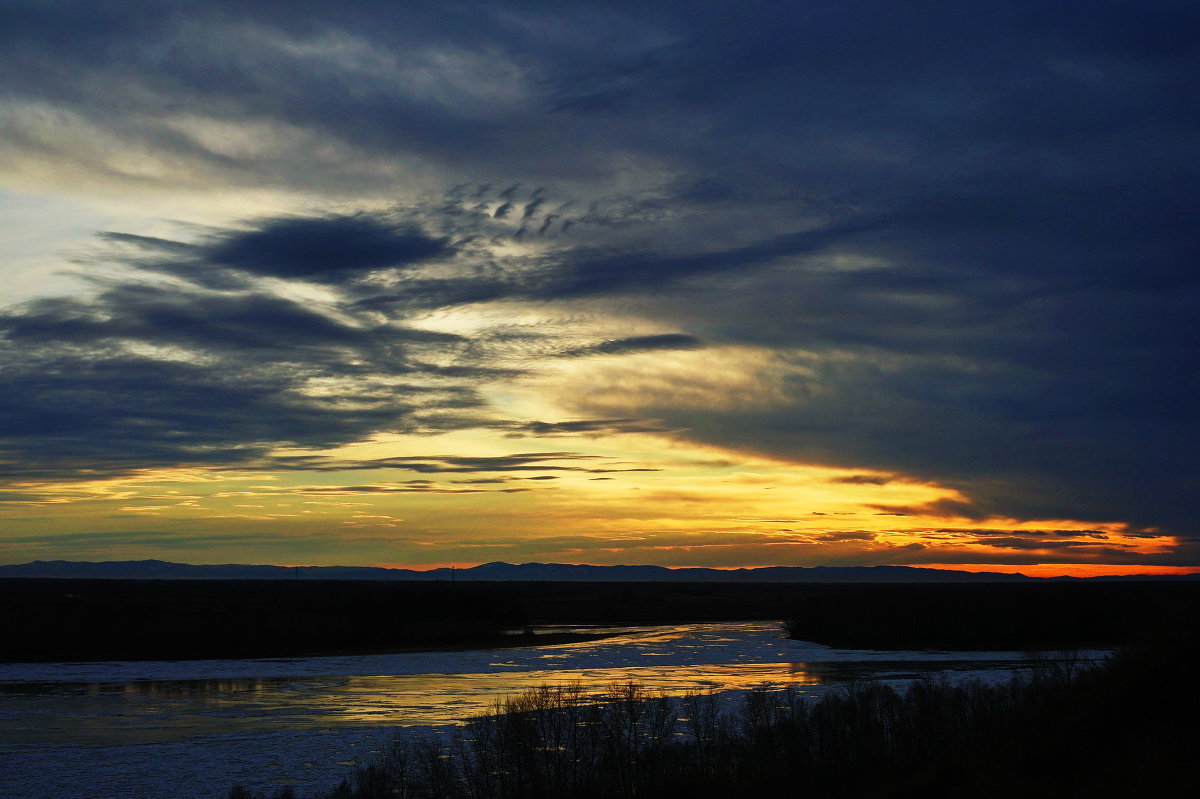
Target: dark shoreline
55, 620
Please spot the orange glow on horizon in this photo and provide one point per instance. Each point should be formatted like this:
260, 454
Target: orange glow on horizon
1062, 569
1031, 570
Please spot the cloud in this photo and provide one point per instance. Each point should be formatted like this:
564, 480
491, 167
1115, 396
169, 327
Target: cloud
323, 247
988, 532
1025, 543
954, 245
146, 373
863, 479
564, 461
402, 487
582, 427
108, 541
68, 416
165, 316
633, 344
583, 272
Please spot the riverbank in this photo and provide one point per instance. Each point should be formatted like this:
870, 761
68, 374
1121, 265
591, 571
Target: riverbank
92, 620
109, 730
1060, 730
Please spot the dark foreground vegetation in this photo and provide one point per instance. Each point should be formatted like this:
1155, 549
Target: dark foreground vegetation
1125, 729
93, 619
995, 616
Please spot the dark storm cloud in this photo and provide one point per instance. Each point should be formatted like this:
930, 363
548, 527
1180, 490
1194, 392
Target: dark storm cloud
329, 249
1001, 295
307, 248
967, 232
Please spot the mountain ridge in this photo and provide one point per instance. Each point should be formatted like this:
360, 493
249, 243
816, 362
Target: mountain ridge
500, 571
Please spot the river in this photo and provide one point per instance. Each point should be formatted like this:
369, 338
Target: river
173, 729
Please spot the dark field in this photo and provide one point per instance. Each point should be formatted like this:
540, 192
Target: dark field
49, 620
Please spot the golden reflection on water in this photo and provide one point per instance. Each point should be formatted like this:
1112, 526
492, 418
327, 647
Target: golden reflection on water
96, 713
452, 698
146, 711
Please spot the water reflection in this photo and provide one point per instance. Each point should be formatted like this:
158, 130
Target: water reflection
99, 730
445, 698
427, 688
146, 711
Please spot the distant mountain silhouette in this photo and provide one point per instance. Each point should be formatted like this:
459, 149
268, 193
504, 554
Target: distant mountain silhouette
527, 572
767, 574
500, 572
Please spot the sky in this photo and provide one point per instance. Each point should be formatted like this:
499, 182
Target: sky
690, 284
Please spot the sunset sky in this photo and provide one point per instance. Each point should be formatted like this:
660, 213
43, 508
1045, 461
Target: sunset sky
690, 284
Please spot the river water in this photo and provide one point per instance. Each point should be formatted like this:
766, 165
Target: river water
173, 729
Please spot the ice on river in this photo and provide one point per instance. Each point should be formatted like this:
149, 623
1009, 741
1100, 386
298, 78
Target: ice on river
169, 729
